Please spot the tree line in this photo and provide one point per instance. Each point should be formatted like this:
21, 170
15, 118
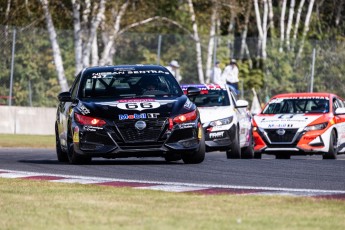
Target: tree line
272, 40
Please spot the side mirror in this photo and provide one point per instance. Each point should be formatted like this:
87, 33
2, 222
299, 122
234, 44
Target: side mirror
242, 104
65, 97
339, 111
193, 91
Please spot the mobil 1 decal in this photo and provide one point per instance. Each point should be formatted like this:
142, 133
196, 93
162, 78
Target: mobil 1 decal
138, 104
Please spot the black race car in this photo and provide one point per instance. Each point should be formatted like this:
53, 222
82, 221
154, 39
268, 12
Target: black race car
128, 111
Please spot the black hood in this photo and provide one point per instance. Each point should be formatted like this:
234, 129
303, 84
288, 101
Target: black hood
120, 109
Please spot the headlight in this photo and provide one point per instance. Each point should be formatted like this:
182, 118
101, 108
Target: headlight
220, 122
316, 127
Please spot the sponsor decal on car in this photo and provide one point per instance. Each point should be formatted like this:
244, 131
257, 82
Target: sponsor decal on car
186, 125
220, 127
138, 105
188, 104
216, 134
76, 134
83, 110
126, 71
152, 115
132, 116
92, 128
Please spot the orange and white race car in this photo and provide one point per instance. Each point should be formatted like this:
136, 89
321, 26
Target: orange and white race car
300, 124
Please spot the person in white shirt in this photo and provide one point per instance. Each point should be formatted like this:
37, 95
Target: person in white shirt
216, 75
174, 69
230, 74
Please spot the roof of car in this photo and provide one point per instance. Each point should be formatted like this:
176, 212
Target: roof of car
203, 86
305, 94
124, 68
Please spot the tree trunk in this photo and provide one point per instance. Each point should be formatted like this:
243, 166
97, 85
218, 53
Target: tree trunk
306, 29
271, 19
197, 42
7, 13
211, 42
264, 30
338, 16
96, 20
107, 49
245, 29
259, 26
289, 24
94, 52
282, 26
55, 47
298, 18
78, 43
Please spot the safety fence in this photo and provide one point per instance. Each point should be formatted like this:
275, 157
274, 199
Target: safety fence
28, 76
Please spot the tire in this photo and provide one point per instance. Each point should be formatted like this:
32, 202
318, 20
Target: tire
61, 155
197, 156
73, 157
248, 152
333, 150
283, 156
234, 152
257, 155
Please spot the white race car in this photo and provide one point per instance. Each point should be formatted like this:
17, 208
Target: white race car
226, 121
301, 124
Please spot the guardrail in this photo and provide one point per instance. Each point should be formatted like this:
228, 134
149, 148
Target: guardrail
27, 120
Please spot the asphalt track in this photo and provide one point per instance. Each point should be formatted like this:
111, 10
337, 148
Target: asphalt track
306, 175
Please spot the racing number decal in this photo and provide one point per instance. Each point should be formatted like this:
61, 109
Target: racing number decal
138, 105
144, 105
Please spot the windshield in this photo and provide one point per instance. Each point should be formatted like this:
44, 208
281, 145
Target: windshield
289, 105
210, 98
112, 85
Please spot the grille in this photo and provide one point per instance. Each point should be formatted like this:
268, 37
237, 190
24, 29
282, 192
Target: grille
275, 137
151, 133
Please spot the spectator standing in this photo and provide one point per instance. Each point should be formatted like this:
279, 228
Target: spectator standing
230, 74
216, 75
174, 69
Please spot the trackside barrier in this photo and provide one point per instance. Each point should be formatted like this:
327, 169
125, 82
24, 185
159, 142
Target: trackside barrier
27, 120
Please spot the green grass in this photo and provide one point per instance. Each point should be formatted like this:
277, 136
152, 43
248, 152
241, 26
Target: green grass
46, 205
29, 141
35, 205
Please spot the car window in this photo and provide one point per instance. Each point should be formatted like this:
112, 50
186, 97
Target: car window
100, 85
287, 105
74, 88
210, 98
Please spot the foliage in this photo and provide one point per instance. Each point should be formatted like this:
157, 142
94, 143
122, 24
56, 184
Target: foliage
35, 77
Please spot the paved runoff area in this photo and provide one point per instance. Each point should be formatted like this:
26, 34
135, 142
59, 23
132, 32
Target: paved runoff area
205, 189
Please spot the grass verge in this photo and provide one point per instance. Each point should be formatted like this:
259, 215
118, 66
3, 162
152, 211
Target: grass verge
46, 205
30, 141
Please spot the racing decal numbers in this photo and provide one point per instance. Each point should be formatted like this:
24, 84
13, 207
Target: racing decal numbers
138, 105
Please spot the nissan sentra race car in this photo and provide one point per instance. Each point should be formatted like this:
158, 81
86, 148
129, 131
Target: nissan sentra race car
226, 121
128, 111
301, 124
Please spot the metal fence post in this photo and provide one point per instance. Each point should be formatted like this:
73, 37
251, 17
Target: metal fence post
159, 49
312, 72
12, 66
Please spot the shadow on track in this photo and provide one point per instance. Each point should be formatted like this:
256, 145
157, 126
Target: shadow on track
106, 162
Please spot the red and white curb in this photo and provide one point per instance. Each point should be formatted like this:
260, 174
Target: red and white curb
205, 189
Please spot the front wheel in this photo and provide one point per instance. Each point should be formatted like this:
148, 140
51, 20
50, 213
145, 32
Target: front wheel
248, 152
333, 150
61, 155
235, 151
73, 157
197, 156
